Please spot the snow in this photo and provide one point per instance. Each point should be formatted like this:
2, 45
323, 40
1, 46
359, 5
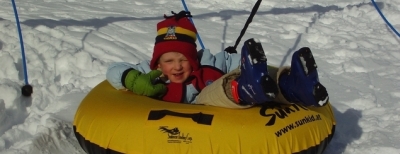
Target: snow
70, 43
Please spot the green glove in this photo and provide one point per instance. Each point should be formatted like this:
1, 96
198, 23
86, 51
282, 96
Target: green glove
142, 84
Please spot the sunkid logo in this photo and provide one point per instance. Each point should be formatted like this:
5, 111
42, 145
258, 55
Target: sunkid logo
175, 136
281, 113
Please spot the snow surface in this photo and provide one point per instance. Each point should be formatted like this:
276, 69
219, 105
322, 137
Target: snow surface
70, 43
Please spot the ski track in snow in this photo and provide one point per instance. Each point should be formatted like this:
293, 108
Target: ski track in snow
69, 45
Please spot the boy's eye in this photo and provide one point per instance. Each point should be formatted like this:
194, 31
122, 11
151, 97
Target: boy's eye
170, 60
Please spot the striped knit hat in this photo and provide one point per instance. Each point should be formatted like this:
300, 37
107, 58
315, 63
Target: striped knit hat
176, 33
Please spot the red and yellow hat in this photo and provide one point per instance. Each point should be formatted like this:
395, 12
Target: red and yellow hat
176, 33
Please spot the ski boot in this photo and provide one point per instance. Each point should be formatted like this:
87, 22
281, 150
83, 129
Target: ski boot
301, 83
254, 85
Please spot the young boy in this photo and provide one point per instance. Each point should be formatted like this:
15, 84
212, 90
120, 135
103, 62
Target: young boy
199, 77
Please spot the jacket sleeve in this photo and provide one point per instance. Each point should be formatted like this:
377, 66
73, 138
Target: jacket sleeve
116, 70
222, 60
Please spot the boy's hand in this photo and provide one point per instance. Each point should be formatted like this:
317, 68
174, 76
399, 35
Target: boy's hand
142, 84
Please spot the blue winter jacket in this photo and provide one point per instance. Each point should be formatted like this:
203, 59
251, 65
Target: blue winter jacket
222, 60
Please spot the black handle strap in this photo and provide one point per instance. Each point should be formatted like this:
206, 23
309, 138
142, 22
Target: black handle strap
200, 118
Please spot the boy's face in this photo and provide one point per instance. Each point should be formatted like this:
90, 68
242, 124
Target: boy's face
175, 66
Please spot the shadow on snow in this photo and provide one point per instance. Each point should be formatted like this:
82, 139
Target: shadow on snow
347, 130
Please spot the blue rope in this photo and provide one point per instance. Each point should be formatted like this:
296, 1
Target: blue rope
198, 36
384, 18
21, 43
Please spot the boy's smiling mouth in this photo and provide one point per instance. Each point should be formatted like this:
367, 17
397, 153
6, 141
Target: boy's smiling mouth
178, 74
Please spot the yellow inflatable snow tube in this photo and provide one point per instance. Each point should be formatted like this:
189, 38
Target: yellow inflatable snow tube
111, 121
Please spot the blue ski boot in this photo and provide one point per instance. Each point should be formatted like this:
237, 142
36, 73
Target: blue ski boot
301, 84
254, 85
